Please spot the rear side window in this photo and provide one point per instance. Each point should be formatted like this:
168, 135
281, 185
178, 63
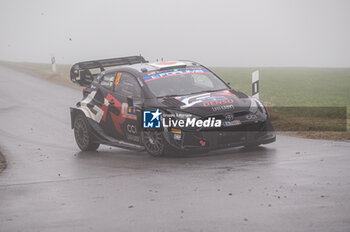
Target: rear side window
107, 80
127, 86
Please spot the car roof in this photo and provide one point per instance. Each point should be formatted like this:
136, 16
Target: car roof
144, 68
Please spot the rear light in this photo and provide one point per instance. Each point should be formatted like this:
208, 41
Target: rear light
85, 90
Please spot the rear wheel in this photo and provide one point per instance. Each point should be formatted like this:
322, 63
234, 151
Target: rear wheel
83, 135
155, 143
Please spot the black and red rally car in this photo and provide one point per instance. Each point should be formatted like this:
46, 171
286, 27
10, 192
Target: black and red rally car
163, 107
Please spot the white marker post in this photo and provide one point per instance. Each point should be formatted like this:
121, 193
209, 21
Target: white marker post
255, 84
53, 62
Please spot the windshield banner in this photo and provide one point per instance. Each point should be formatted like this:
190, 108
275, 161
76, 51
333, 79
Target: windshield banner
175, 73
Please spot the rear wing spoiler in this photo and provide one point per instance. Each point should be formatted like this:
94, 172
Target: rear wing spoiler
80, 72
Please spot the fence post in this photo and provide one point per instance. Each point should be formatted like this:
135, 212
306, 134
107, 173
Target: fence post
255, 84
53, 62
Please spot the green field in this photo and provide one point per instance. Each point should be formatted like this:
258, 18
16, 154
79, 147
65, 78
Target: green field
294, 86
297, 87
325, 87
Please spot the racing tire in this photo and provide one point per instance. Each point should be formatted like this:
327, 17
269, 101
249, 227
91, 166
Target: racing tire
82, 134
155, 143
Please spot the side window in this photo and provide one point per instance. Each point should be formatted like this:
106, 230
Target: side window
107, 80
128, 86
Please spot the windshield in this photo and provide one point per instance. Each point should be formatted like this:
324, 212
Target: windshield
183, 82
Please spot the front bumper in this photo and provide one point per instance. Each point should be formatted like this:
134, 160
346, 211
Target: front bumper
243, 135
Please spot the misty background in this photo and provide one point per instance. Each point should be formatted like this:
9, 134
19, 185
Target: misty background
215, 33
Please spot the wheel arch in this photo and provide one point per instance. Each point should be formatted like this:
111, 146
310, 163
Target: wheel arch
73, 113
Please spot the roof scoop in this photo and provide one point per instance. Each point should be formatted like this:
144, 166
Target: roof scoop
168, 65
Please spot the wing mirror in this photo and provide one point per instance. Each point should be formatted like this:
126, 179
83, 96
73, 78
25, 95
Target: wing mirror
130, 101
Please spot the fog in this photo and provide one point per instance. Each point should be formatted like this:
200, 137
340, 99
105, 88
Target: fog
223, 33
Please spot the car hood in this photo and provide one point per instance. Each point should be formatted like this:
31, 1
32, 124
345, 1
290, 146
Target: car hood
209, 103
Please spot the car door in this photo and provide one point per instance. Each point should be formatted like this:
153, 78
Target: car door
126, 86
111, 106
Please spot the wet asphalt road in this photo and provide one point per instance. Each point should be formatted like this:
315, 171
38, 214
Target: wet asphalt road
291, 185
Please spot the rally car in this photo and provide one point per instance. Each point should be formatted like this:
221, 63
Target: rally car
163, 107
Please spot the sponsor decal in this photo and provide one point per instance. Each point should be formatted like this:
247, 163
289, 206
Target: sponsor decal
217, 102
232, 123
131, 134
207, 99
95, 113
177, 136
175, 73
222, 107
213, 98
117, 120
129, 111
132, 110
117, 78
192, 100
110, 81
226, 92
131, 129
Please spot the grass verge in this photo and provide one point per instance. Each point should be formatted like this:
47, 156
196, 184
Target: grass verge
44, 71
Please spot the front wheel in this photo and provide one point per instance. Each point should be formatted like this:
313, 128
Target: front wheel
83, 135
154, 142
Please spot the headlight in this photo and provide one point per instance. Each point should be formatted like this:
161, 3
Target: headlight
261, 106
255, 105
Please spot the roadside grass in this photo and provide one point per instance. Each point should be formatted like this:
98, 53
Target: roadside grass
304, 89
44, 71
294, 86
299, 89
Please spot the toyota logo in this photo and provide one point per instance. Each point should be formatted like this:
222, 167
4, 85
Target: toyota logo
229, 117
